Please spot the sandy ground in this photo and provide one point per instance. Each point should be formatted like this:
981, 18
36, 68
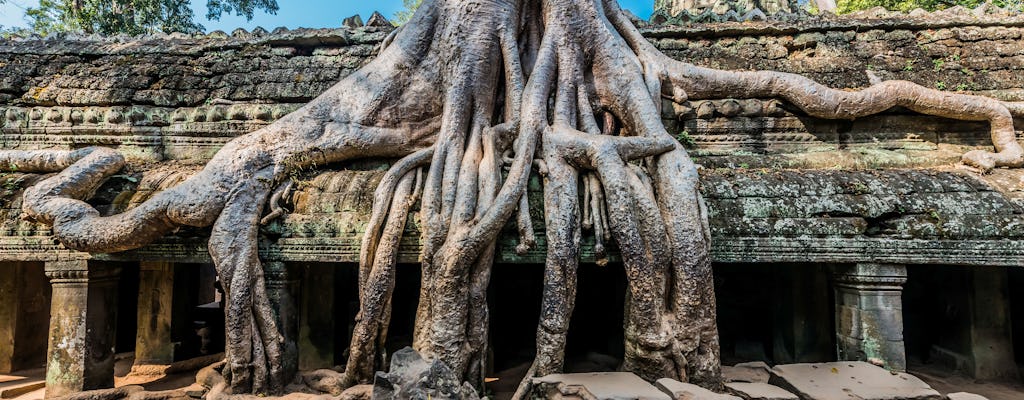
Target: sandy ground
947, 382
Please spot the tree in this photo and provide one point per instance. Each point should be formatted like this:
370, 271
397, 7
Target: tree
403, 16
847, 6
133, 17
566, 88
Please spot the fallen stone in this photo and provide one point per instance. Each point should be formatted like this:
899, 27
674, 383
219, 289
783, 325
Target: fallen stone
753, 372
412, 377
687, 391
965, 396
850, 380
599, 385
759, 391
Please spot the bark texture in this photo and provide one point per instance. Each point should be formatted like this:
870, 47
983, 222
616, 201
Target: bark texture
472, 96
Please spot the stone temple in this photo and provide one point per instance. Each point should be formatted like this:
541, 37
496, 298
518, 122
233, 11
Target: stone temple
858, 240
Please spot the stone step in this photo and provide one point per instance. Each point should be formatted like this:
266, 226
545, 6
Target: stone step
22, 382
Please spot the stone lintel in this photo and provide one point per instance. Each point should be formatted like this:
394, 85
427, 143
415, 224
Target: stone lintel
869, 313
83, 317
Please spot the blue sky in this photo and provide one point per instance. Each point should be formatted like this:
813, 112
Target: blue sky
293, 13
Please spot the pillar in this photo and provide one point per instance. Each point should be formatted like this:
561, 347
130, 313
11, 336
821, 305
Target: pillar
153, 343
316, 317
281, 288
83, 316
9, 296
24, 313
990, 356
801, 323
869, 313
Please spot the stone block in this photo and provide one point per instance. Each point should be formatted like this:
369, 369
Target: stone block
759, 391
602, 386
686, 391
753, 372
965, 396
850, 379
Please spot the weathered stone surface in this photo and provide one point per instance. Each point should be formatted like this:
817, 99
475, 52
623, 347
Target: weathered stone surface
412, 377
153, 344
756, 216
965, 396
83, 315
869, 314
685, 391
759, 391
853, 379
600, 386
753, 372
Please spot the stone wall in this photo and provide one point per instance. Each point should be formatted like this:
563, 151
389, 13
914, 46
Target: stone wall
169, 102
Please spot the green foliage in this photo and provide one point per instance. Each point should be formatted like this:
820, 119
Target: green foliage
847, 6
685, 138
242, 8
132, 17
403, 16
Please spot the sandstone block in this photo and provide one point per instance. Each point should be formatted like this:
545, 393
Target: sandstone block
965, 396
753, 372
759, 391
686, 391
850, 379
601, 386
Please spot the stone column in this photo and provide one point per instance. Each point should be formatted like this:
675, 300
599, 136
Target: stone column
153, 344
991, 344
24, 313
801, 328
83, 317
317, 321
281, 288
9, 302
869, 313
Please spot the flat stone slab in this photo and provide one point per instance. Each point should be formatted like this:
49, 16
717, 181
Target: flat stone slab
753, 372
688, 391
604, 386
965, 396
759, 391
847, 380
